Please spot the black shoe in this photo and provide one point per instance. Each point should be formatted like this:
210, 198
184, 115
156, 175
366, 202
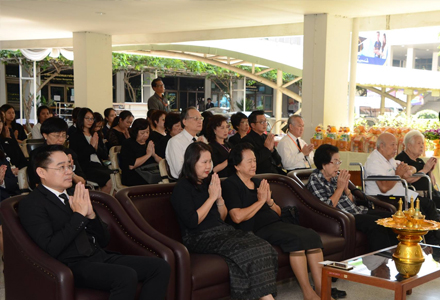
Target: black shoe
337, 294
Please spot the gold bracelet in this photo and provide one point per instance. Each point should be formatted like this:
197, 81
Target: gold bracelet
273, 203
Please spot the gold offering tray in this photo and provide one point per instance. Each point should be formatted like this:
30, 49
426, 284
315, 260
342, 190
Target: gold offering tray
423, 225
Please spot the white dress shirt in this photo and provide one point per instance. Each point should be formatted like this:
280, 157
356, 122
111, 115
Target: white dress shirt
378, 165
291, 157
175, 151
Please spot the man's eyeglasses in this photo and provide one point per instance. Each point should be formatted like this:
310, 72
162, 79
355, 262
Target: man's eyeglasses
59, 136
63, 169
261, 122
90, 119
196, 118
338, 162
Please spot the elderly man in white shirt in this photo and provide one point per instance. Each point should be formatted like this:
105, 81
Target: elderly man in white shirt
381, 162
294, 151
192, 123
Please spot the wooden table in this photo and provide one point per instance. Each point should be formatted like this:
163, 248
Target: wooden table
391, 280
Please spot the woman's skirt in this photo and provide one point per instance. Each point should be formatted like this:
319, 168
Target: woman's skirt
290, 237
252, 262
97, 173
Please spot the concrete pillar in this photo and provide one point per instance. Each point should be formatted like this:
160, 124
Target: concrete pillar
435, 61
238, 93
353, 65
382, 102
208, 88
325, 71
146, 86
278, 103
410, 58
120, 87
93, 70
2, 84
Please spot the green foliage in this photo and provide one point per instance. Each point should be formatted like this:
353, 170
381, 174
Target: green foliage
427, 114
249, 105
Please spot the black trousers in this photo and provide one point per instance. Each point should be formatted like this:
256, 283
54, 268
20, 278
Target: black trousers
378, 236
120, 275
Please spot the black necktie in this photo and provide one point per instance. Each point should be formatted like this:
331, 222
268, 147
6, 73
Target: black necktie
65, 199
194, 139
82, 240
299, 145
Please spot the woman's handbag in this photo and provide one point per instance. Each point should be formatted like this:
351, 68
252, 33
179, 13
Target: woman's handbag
150, 173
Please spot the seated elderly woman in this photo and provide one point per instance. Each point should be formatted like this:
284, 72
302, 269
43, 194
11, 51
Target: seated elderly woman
199, 205
414, 143
251, 208
331, 187
136, 152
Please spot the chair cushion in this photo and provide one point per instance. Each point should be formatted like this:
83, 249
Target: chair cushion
202, 266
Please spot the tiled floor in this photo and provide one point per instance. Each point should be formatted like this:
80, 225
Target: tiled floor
290, 290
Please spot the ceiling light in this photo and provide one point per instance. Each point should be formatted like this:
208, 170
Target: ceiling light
100, 13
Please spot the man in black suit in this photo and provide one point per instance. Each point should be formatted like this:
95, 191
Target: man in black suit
268, 159
68, 229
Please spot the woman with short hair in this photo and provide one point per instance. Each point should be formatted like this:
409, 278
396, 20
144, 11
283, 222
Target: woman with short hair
217, 135
200, 208
157, 126
173, 127
120, 129
240, 123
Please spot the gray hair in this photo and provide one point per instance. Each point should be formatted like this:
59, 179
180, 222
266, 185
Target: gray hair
292, 119
410, 137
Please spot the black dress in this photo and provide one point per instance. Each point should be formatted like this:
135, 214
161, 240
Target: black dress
252, 262
10, 181
21, 133
266, 223
115, 138
220, 153
155, 137
95, 171
130, 151
162, 146
235, 139
13, 151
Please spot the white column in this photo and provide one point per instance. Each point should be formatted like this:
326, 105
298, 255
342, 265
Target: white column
435, 61
93, 70
326, 53
208, 87
278, 102
353, 65
120, 87
382, 102
2, 84
410, 58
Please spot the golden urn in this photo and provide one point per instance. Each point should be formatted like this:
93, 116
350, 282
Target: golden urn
410, 226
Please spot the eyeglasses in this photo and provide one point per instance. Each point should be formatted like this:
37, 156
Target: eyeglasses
196, 118
90, 119
338, 162
63, 169
58, 136
261, 122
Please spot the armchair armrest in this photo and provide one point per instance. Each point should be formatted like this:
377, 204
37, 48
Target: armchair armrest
391, 178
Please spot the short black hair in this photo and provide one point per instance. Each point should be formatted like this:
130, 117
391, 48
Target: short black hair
5, 108
214, 122
191, 157
236, 154
41, 159
153, 83
323, 155
236, 119
208, 99
155, 116
98, 117
53, 124
184, 114
107, 112
170, 120
138, 124
40, 109
253, 116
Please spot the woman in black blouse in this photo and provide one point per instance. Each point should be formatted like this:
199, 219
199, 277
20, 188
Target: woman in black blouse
17, 131
197, 200
90, 150
109, 115
240, 123
251, 208
414, 143
136, 152
157, 131
120, 129
217, 134
172, 127
13, 153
